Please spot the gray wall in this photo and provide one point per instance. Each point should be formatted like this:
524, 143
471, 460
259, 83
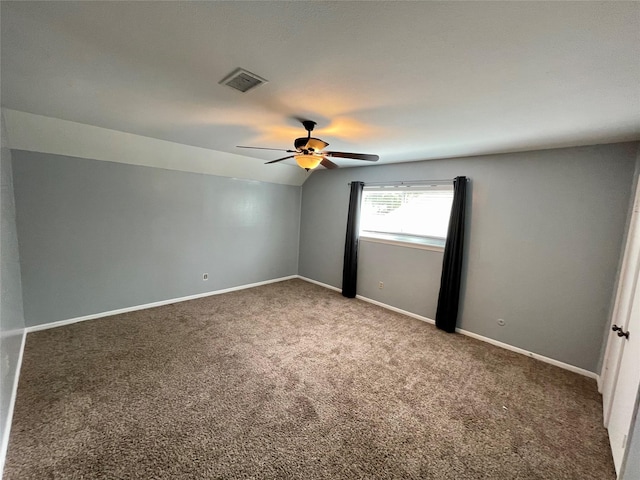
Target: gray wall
97, 236
11, 316
394, 265
545, 230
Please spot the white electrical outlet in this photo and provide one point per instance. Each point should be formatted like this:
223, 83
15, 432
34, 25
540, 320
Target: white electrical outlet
205, 276
501, 322
381, 285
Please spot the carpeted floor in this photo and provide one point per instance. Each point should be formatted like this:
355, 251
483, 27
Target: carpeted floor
291, 380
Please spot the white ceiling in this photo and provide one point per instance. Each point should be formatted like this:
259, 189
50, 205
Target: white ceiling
406, 80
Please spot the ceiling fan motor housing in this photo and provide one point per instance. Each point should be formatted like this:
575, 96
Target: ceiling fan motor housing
308, 125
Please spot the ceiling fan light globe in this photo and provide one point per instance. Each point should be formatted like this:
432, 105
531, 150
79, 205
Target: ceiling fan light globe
308, 162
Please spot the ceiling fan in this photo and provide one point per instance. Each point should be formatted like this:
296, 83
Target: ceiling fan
309, 152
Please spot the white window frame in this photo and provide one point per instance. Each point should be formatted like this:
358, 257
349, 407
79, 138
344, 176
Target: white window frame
403, 239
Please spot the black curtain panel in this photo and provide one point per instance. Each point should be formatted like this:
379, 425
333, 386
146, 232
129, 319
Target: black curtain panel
447, 312
350, 267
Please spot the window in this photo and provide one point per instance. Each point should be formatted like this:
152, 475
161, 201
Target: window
415, 214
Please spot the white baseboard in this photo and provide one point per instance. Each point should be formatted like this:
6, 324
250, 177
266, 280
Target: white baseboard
542, 358
12, 402
506, 346
497, 343
325, 285
397, 310
60, 323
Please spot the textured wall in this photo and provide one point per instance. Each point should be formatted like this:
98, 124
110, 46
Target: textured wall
11, 315
97, 236
543, 242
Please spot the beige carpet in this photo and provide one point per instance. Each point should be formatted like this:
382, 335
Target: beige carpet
291, 380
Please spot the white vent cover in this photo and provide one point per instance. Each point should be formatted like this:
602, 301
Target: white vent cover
242, 80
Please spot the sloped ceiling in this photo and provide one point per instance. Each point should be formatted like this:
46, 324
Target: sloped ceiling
406, 80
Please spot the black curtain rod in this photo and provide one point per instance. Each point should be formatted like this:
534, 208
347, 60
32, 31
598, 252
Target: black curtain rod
409, 183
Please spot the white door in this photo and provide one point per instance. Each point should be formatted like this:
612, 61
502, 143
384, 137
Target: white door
622, 310
624, 396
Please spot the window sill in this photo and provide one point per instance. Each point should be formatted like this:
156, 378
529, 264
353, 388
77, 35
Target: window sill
402, 241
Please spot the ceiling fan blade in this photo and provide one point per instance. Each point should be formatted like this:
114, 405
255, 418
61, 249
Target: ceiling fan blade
265, 148
279, 160
354, 156
326, 163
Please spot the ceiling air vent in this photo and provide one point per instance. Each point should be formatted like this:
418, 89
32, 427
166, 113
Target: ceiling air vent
242, 80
